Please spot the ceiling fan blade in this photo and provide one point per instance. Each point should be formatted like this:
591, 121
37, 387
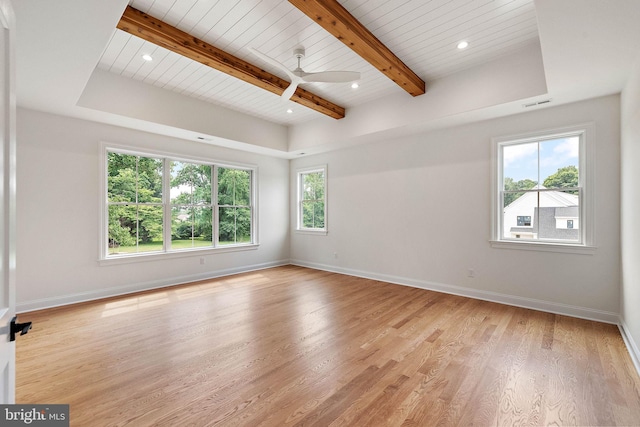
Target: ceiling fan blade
331, 77
273, 62
288, 92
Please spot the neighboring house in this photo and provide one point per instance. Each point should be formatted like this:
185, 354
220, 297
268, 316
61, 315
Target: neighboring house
552, 215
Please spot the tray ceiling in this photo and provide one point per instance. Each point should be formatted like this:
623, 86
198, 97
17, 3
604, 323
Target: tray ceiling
422, 34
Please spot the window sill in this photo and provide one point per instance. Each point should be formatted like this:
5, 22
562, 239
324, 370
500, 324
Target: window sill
544, 247
312, 232
135, 258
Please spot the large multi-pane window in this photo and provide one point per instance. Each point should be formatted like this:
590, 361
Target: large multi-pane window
542, 189
312, 207
163, 204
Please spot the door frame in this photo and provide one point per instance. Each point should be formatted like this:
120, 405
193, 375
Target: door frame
8, 201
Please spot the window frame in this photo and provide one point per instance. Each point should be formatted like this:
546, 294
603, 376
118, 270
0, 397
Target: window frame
105, 258
586, 166
300, 173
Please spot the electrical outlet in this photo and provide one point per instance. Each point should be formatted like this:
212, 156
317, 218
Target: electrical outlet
335, 254
202, 261
471, 273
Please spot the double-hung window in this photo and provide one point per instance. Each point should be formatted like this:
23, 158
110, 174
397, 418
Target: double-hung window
191, 208
234, 206
163, 203
543, 189
312, 199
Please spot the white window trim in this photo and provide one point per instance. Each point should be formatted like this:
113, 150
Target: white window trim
587, 182
313, 231
105, 259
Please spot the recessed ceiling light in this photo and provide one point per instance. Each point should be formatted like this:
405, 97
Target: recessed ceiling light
147, 57
463, 44
355, 85
289, 110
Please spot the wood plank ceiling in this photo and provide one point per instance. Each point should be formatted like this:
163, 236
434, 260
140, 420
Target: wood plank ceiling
334, 18
160, 33
422, 34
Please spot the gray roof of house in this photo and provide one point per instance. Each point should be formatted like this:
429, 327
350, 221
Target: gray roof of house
569, 211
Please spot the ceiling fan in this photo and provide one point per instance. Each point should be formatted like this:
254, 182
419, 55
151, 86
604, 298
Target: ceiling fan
299, 76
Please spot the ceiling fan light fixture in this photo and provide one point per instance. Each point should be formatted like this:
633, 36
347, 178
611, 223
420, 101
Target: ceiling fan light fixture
355, 85
299, 76
463, 44
147, 57
289, 111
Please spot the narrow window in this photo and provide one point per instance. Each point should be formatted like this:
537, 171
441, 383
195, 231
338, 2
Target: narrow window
312, 206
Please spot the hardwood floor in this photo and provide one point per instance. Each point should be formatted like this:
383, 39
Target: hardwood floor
291, 346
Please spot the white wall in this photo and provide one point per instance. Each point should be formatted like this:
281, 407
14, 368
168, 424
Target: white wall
465, 94
146, 103
58, 213
417, 210
630, 201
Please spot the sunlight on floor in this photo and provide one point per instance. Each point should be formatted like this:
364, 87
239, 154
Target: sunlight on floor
181, 293
135, 303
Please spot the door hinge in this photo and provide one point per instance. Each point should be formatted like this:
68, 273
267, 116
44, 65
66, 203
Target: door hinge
23, 328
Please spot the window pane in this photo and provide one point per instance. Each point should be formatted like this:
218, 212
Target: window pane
313, 186
226, 226
190, 183
191, 227
149, 180
122, 177
559, 216
181, 225
559, 161
313, 214
243, 223
149, 228
551, 215
319, 214
202, 226
123, 228
135, 229
520, 166
202, 184
234, 225
234, 187
134, 179
181, 189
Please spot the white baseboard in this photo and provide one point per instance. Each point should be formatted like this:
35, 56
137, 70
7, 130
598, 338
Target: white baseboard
630, 343
137, 287
535, 304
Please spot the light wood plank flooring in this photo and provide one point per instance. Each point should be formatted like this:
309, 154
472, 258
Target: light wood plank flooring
291, 346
